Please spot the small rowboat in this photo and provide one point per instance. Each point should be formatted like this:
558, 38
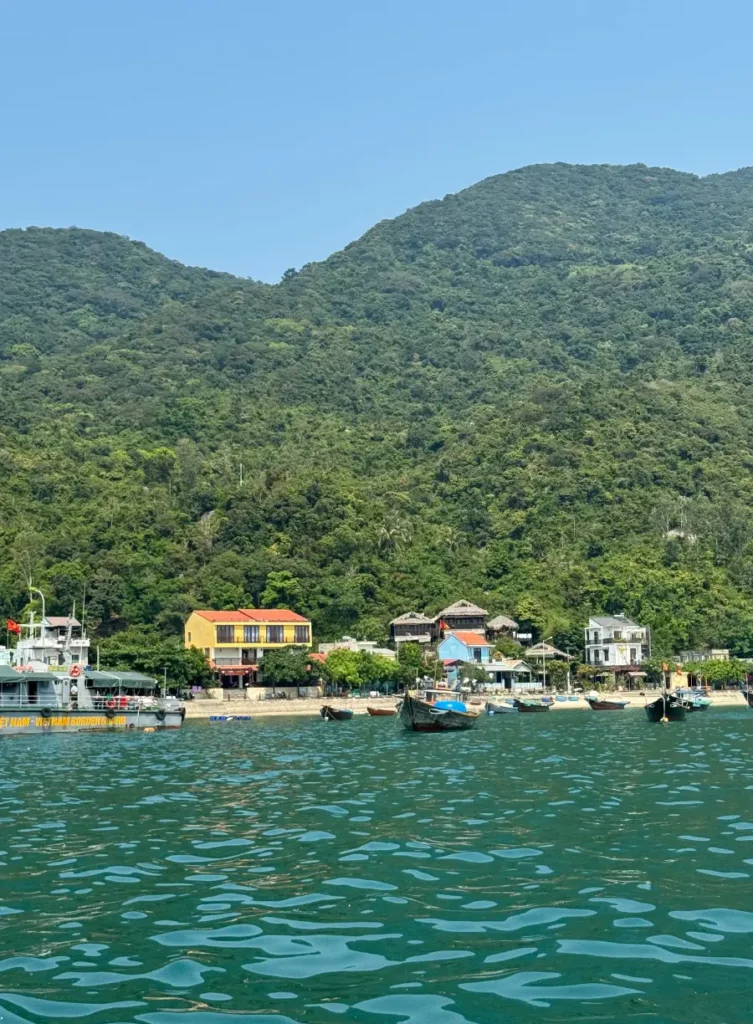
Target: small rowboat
443, 716
508, 708
606, 705
330, 714
531, 706
381, 712
230, 718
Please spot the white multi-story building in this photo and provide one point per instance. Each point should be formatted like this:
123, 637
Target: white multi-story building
616, 643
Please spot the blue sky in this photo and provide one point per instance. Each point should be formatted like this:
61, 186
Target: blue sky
251, 137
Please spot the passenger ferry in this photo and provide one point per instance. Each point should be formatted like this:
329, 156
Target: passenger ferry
47, 685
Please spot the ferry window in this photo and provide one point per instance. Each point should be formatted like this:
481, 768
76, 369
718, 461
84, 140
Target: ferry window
224, 634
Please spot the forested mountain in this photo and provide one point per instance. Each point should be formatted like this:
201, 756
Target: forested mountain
535, 394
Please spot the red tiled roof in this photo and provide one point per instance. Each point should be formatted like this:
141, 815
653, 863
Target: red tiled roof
320, 656
253, 615
213, 616
272, 615
469, 638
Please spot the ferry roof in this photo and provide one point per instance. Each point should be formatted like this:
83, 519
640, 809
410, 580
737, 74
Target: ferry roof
9, 675
132, 679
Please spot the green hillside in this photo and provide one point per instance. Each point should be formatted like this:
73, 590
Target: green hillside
535, 394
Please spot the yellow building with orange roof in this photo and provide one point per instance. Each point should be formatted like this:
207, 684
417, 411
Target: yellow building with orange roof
234, 642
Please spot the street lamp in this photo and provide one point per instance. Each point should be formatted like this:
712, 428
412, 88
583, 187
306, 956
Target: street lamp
543, 655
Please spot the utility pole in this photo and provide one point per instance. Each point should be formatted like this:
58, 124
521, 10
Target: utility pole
164, 682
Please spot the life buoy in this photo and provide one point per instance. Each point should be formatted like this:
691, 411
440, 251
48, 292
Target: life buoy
74, 671
160, 715
110, 702
45, 712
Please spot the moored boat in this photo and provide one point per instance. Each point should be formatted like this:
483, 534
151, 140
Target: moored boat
381, 712
667, 707
748, 695
526, 706
597, 704
436, 716
46, 702
330, 714
506, 708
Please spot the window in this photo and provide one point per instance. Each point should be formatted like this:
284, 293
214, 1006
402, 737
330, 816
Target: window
633, 656
606, 655
248, 656
251, 635
189, 638
275, 634
224, 634
477, 654
301, 634
618, 634
206, 653
596, 657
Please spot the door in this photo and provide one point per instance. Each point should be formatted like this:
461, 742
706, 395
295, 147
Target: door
31, 691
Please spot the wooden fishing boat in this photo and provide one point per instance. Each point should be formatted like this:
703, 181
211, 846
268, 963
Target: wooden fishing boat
667, 706
381, 712
440, 716
596, 704
507, 708
331, 714
531, 706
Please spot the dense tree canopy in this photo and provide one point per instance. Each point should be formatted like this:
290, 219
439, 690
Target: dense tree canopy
534, 394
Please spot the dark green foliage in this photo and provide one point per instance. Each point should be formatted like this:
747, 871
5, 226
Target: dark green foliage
290, 666
535, 394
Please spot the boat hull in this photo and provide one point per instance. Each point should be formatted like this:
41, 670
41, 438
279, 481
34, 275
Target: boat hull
527, 709
20, 721
607, 705
501, 709
330, 714
748, 694
670, 707
381, 712
420, 716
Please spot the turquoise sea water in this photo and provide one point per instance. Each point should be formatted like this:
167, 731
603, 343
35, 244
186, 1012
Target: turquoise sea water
573, 866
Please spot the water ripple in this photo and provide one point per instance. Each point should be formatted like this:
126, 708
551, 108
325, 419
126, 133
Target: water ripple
284, 872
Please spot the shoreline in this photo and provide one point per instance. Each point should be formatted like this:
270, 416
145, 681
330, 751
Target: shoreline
203, 709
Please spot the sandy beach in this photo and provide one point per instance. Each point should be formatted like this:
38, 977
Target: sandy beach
311, 705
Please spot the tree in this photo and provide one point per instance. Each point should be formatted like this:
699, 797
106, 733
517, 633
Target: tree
471, 672
375, 670
289, 666
282, 590
341, 669
147, 652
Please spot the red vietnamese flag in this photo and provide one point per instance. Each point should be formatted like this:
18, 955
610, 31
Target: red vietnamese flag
13, 627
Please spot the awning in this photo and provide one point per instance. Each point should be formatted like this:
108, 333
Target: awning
128, 679
235, 670
636, 675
